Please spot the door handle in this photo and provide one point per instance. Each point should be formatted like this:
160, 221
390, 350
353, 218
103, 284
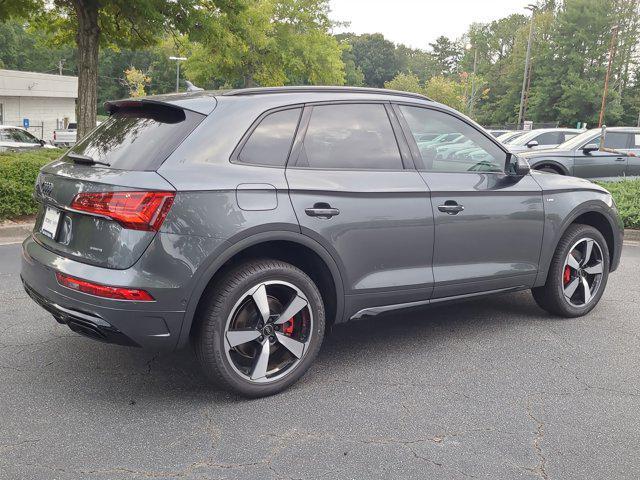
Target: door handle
621, 159
322, 210
451, 207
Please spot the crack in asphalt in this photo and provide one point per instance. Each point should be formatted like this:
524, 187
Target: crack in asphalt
539, 469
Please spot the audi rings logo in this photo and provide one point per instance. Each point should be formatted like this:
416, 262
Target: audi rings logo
45, 188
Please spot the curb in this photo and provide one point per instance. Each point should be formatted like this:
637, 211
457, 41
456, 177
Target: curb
12, 232
632, 235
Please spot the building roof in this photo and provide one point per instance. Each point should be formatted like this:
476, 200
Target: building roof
14, 83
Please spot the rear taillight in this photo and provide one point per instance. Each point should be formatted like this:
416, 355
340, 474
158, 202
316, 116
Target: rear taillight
118, 293
133, 210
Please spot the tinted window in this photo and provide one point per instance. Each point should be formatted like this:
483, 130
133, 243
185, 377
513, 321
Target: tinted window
465, 148
350, 136
614, 140
549, 138
270, 142
139, 138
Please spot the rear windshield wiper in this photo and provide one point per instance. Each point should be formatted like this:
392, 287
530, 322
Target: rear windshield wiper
85, 159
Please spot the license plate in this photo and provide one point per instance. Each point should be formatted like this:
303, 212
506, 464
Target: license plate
50, 222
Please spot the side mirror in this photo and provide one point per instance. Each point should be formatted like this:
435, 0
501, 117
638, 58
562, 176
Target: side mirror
532, 143
590, 147
42, 143
518, 166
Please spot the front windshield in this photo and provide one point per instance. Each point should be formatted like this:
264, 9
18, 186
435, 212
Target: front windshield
510, 136
525, 138
579, 140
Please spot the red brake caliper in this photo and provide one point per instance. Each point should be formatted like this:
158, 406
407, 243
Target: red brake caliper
567, 274
288, 327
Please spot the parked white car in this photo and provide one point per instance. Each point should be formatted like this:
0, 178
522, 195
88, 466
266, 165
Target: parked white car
65, 137
17, 138
542, 138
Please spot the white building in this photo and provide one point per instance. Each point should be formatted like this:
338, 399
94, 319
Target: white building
47, 101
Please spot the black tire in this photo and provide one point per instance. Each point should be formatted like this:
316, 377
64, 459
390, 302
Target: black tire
549, 170
550, 297
209, 339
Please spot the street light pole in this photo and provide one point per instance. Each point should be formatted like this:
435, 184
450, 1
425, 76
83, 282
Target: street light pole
178, 60
526, 64
473, 81
612, 52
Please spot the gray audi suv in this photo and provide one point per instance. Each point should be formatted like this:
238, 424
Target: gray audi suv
249, 222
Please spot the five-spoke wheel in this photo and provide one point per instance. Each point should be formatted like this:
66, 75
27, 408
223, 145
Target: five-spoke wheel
577, 275
261, 329
268, 331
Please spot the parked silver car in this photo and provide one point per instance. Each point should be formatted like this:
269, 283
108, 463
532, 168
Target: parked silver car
542, 138
17, 138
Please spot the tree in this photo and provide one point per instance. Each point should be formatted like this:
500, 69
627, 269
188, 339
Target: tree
271, 42
118, 24
446, 54
447, 91
136, 80
405, 82
376, 57
353, 75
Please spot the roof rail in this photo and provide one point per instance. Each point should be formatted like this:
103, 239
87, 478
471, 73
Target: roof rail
321, 89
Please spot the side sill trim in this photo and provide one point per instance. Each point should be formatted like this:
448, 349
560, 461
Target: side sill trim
373, 311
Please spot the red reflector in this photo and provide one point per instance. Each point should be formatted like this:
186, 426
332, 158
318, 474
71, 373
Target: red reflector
105, 291
133, 210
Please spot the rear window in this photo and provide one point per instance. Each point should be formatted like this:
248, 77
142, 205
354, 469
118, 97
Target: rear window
140, 137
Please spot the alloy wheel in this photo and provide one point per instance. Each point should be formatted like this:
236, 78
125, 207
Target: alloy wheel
268, 331
582, 272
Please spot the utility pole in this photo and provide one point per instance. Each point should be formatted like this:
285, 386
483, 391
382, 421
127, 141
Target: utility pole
178, 60
526, 64
612, 52
526, 95
473, 81
60, 63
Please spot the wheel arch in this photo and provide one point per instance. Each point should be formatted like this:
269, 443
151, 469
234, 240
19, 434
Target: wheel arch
595, 214
295, 248
562, 169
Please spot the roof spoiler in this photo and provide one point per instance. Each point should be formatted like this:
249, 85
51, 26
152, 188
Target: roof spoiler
203, 104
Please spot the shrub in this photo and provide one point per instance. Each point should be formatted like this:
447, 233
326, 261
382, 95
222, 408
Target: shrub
18, 173
626, 193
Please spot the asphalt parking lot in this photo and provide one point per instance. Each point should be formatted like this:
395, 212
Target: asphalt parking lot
492, 388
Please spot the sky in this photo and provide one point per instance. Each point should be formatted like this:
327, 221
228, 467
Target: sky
417, 23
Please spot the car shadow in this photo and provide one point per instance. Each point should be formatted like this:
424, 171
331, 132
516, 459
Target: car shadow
131, 374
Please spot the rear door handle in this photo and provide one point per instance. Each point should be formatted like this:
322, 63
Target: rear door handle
621, 159
451, 207
322, 210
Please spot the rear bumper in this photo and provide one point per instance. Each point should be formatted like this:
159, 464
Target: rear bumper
141, 324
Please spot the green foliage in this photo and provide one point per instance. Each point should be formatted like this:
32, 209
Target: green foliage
447, 91
627, 197
406, 82
270, 42
18, 173
375, 56
29, 49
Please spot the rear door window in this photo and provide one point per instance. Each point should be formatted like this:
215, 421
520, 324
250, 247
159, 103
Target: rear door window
350, 136
549, 138
140, 137
614, 140
271, 140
